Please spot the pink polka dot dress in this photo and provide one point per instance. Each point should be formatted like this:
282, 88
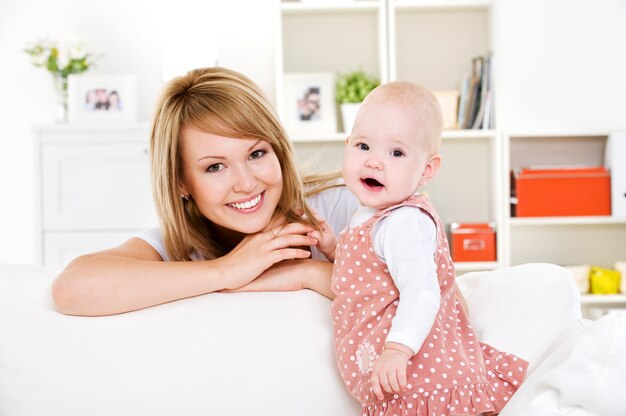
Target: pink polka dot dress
452, 373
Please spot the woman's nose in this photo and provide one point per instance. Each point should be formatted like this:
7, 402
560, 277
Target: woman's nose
245, 181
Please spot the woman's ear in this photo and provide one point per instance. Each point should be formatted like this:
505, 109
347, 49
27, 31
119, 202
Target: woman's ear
431, 169
182, 189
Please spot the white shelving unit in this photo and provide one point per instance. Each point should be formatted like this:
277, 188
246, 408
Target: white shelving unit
562, 240
595, 240
432, 42
393, 39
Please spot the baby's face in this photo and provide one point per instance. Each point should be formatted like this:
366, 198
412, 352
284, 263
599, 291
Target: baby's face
386, 155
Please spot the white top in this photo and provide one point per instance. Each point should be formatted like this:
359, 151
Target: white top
406, 241
336, 205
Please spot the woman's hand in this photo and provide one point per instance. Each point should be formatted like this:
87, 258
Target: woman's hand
291, 275
389, 372
258, 252
327, 241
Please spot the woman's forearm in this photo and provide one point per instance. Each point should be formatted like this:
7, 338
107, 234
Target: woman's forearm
106, 284
319, 277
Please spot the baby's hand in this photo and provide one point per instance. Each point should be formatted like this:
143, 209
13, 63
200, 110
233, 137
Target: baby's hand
389, 372
327, 241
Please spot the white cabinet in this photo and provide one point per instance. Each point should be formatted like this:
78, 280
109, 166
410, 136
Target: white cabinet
93, 188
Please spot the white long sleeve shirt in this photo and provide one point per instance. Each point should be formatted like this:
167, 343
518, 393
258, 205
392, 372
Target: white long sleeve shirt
406, 241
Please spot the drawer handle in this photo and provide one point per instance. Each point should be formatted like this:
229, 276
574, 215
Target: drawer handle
473, 245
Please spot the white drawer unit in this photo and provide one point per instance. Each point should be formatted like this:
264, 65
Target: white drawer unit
93, 188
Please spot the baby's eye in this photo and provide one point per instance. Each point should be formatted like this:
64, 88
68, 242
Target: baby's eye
216, 167
397, 153
363, 146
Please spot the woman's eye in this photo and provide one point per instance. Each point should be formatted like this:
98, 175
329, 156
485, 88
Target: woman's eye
216, 167
397, 153
363, 146
257, 154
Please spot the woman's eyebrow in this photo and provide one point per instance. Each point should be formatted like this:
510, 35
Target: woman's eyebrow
254, 144
223, 157
211, 157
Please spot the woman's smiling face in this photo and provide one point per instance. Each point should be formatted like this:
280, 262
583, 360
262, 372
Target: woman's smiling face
236, 183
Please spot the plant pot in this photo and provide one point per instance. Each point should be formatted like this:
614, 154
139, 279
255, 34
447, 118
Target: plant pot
348, 114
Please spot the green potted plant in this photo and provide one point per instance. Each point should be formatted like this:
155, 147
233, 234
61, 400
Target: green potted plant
352, 87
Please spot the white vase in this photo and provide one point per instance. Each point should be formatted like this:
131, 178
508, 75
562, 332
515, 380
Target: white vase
348, 114
60, 88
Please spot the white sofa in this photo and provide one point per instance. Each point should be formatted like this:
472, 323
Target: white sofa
271, 353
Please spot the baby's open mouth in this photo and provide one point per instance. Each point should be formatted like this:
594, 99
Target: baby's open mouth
372, 183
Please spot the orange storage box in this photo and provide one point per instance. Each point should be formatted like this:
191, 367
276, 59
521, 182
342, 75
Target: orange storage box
473, 242
562, 192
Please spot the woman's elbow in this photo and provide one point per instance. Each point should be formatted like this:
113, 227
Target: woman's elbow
64, 295
66, 290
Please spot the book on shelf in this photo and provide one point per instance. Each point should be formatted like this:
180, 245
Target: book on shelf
479, 121
462, 100
473, 93
476, 99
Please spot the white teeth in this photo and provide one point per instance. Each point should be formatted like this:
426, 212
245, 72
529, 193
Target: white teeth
248, 204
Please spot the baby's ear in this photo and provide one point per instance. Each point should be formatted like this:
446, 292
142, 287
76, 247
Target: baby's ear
431, 169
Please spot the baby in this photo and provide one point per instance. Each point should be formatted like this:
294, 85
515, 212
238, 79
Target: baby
404, 344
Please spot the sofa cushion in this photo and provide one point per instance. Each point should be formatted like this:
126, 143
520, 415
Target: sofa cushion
521, 309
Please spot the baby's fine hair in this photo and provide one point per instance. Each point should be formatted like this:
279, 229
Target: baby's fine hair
422, 101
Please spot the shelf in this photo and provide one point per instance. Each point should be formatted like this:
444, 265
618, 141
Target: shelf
599, 220
476, 266
329, 7
317, 138
447, 135
468, 134
427, 5
590, 299
556, 134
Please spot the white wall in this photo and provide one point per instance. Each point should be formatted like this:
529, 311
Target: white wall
561, 66
130, 36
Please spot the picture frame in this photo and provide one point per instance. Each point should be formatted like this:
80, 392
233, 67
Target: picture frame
309, 103
96, 98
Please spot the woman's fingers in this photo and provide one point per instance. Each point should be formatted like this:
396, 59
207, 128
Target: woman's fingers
291, 240
291, 253
291, 228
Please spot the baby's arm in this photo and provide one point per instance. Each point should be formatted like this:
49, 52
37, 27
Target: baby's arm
406, 241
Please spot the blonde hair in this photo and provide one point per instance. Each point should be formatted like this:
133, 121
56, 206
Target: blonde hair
223, 102
422, 102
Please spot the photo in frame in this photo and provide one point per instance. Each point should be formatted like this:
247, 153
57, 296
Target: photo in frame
309, 103
102, 98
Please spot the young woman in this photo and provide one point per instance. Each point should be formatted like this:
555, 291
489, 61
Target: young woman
231, 203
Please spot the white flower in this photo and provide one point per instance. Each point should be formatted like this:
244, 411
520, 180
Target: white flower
63, 59
78, 45
41, 59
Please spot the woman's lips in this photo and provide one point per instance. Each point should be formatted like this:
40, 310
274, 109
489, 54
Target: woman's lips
249, 205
